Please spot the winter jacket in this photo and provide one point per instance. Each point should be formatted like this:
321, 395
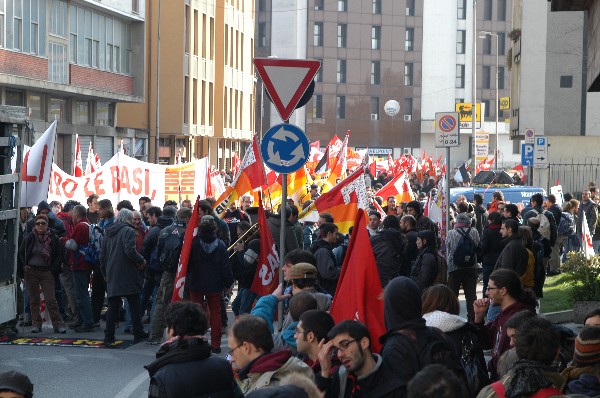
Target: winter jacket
268, 370
291, 242
56, 252
67, 221
177, 359
265, 308
533, 213
326, 265
388, 248
209, 269
232, 218
411, 252
178, 225
591, 215
481, 218
425, 223
556, 379
452, 242
323, 304
490, 338
151, 240
381, 382
425, 269
55, 225
514, 256
81, 237
119, 260
298, 233
491, 244
587, 385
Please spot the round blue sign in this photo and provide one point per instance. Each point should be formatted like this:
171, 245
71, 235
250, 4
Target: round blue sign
285, 148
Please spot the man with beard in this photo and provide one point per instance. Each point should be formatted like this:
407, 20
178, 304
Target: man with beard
362, 373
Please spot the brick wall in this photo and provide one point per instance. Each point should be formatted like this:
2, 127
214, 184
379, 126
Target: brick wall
19, 64
100, 80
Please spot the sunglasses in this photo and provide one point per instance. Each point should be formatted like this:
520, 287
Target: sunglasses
40, 223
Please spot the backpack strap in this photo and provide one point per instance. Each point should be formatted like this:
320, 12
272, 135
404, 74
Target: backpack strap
547, 392
499, 389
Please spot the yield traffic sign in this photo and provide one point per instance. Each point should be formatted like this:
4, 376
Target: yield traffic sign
286, 80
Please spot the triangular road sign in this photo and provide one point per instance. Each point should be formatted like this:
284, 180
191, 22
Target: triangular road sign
286, 80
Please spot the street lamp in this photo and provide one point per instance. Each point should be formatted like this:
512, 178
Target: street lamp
483, 35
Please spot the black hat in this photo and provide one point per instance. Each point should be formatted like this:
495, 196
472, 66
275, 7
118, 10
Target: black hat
17, 382
43, 205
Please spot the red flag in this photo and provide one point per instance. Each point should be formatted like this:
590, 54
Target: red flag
190, 233
557, 181
359, 294
209, 188
78, 164
266, 277
90, 164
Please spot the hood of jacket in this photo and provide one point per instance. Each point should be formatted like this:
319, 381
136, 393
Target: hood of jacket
113, 229
209, 247
265, 363
179, 350
444, 321
163, 222
402, 304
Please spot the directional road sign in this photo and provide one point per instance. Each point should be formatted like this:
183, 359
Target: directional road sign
540, 153
527, 154
285, 148
529, 136
286, 80
446, 129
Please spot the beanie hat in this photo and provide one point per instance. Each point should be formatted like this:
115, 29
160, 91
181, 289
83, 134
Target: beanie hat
43, 205
414, 205
587, 346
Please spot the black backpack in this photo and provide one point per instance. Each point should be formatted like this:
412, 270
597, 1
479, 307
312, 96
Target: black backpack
169, 256
465, 253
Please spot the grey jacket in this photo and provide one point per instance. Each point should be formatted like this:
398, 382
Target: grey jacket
119, 260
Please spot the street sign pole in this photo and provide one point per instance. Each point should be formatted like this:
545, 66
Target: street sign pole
282, 228
447, 187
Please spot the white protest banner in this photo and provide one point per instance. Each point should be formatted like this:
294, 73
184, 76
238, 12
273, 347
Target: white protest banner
36, 170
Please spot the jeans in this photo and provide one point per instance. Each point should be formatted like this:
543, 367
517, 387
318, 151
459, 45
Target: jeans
112, 315
37, 279
211, 302
467, 277
243, 301
66, 278
163, 298
81, 282
98, 292
58, 293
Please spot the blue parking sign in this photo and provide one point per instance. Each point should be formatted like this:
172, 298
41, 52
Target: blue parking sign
527, 154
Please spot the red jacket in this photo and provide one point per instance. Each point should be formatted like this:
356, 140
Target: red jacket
81, 236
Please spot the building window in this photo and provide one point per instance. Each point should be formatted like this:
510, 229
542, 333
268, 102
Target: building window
81, 112
105, 114
35, 103
341, 71
14, 98
340, 107
375, 37
461, 37
487, 45
261, 5
486, 76
18, 25
317, 107
341, 35
462, 9
319, 75
342, 5
57, 63
486, 106
318, 5
501, 43
487, 10
73, 37
410, 8
375, 72
501, 10
376, 6
262, 34
135, 6
374, 108
408, 109
34, 28
460, 76
57, 109
459, 100
501, 78
409, 38
1, 23
566, 81
408, 74
318, 34
58, 18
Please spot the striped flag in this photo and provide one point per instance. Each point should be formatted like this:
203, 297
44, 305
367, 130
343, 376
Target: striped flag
77, 164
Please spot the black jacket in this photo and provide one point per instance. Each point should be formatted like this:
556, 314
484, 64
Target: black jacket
388, 248
56, 256
185, 368
491, 244
514, 256
151, 239
425, 269
481, 216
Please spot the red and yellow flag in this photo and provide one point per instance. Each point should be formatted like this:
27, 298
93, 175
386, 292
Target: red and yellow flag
343, 201
397, 187
298, 185
266, 277
251, 177
190, 233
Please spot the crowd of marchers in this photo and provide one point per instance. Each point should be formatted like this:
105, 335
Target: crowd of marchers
98, 265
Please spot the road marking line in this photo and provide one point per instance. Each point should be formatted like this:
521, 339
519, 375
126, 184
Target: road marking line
132, 386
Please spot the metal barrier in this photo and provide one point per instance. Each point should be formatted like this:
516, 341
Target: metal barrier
575, 175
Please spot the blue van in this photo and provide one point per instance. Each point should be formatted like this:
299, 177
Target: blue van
513, 194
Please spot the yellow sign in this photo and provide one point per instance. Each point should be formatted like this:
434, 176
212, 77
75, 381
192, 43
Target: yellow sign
464, 110
504, 103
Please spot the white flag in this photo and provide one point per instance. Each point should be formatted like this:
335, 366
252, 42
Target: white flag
586, 238
36, 170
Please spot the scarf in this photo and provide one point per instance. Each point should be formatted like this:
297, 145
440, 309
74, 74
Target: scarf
529, 378
180, 350
574, 372
45, 239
